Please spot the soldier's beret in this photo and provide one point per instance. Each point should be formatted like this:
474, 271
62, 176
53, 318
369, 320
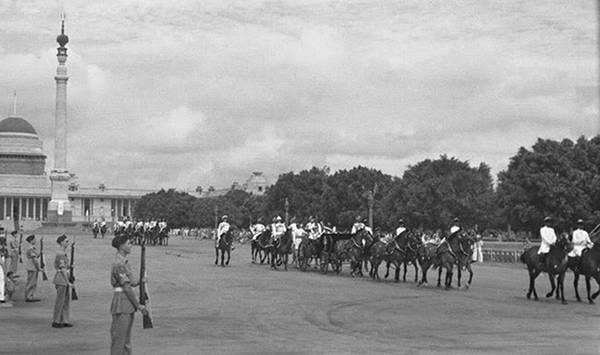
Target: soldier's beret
61, 238
30, 238
119, 240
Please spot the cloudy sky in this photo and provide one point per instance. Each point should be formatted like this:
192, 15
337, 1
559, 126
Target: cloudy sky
186, 93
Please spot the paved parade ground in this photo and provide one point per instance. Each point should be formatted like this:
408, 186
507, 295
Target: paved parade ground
199, 308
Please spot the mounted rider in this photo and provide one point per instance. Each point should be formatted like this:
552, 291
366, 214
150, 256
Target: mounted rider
314, 228
548, 239
358, 225
401, 228
257, 228
278, 228
223, 227
162, 225
581, 240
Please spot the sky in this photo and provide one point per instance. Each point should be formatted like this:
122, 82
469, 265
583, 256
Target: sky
193, 93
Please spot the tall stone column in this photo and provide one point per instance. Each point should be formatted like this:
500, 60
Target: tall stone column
59, 207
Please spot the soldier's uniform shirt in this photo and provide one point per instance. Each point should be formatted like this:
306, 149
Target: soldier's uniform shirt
314, 230
120, 275
400, 230
548, 239
223, 228
356, 227
297, 234
454, 229
61, 282
581, 240
257, 229
278, 230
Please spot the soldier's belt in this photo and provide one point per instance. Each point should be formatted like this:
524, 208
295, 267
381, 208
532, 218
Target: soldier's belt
118, 289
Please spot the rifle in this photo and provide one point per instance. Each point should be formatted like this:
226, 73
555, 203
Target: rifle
74, 296
144, 297
42, 261
20, 242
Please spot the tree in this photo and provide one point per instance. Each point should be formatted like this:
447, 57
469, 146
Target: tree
171, 205
559, 179
433, 192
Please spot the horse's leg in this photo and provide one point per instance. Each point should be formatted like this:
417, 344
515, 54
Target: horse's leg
397, 271
576, 284
561, 286
595, 294
439, 283
416, 270
387, 269
228, 256
470, 275
217, 256
459, 275
405, 263
223, 258
552, 284
587, 287
449, 276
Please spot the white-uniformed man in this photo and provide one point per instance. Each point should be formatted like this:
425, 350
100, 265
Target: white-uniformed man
223, 228
581, 240
401, 228
139, 226
162, 225
278, 229
257, 228
548, 239
297, 234
313, 228
358, 225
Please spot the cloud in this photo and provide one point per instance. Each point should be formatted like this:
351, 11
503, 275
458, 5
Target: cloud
182, 94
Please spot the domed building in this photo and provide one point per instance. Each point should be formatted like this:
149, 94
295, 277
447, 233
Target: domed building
21, 150
25, 187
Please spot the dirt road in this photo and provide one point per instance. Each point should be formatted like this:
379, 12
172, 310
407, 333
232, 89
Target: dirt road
199, 308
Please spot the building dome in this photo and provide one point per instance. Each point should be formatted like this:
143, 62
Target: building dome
21, 150
16, 125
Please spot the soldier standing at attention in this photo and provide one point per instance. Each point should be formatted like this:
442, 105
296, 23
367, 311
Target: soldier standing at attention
124, 303
32, 265
62, 284
13, 253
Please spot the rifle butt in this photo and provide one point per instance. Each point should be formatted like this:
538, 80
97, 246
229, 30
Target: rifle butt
44, 276
74, 295
147, 322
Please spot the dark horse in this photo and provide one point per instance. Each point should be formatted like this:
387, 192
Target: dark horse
224, 245
95, 230
411, 256
354, 249
103, 230
261, 247
588, 265
554, 265
453, 251
281, 250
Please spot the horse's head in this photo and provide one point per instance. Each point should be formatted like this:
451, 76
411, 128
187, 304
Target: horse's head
563, 243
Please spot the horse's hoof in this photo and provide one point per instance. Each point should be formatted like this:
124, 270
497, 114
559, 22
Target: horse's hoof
578, 299
548, 295
528, 296
564, 302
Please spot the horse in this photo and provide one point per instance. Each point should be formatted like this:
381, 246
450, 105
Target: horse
260, 247
426, 255
410, 257
555, 265
309, 249
328, 253
454, 251
95, 230
393, 251
466, 258
103, 230
224, 245
281, 250
354, 249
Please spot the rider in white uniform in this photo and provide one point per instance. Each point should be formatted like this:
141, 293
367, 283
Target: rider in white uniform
257, 229
358, 225
223, 228
581, 240
548, 239
314, 229
278, 228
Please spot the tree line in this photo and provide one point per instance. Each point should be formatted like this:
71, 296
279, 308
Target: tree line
556, 178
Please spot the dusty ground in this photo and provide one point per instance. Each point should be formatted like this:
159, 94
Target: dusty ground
202, 309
